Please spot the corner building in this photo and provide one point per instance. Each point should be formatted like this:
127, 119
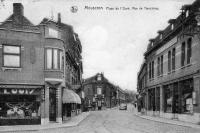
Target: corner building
172, 88
33, 69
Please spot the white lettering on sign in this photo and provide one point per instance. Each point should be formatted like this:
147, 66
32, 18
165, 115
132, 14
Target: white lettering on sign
18, 91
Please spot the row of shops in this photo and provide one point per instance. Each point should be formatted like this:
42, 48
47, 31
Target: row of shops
169, 78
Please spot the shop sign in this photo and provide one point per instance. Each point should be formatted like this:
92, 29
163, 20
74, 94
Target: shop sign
21, 91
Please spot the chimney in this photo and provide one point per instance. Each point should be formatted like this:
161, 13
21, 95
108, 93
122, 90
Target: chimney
59, 18
18, 13
18, 9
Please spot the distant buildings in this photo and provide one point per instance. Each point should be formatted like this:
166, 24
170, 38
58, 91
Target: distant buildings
168, 81
100, 93
40, 66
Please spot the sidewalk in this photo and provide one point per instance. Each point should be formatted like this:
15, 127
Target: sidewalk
72, 122
167, 121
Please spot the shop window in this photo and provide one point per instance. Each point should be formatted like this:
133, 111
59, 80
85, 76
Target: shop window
11, 56
183, 54
173, 58
168, 98
157, 99
187, 104
189, 50
19, 107
54, 59
169, 61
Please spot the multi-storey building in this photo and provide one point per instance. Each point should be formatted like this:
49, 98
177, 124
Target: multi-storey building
141, 86
99, 92
34, 69
121, 96
173, 68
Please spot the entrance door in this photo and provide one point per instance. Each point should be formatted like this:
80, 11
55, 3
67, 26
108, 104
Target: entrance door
52, 104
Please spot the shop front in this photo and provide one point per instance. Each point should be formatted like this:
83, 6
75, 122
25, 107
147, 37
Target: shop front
71, 104
20, 105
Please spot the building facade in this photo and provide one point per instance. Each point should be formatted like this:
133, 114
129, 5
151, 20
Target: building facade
99, 92
141, 87
34, 69
172, 87
121, 96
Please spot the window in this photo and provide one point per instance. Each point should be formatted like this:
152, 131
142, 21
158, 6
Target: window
54, 59
99, 77
152, 69
99, 90
161, 65
187, 13
189, 50
173, 58
183, 54
169, 61
11, 56
172, 26
161, 36
53, 33
158, 67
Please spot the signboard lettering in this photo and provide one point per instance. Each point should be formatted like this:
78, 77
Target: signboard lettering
21, 91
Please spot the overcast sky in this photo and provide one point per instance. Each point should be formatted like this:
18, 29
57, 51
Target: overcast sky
113, 41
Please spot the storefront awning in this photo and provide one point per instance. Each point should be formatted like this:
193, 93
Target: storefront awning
78, 99
70, 97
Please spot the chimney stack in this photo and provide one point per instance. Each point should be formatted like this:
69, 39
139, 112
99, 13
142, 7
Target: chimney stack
18, 13
18, 9
59, 18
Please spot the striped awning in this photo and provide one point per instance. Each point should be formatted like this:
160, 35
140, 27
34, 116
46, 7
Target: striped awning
70, 96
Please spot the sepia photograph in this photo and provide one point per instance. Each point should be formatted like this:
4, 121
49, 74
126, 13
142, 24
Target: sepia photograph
100, 66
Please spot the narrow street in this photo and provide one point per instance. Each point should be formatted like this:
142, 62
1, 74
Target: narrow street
120, 121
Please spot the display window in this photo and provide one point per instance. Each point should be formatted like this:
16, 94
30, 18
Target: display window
19, 106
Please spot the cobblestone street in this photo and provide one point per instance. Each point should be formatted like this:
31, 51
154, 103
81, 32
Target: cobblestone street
117, 121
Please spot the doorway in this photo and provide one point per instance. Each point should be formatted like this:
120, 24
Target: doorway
52, 104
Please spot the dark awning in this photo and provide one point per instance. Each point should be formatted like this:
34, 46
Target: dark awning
70, 96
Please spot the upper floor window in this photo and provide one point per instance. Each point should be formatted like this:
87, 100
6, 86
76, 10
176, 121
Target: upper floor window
161, 65
99, 90
189, 50
152, 71
53, 33
169, 61
173, 58
158, 66
187, 13
54, 59
11, 56
183, 54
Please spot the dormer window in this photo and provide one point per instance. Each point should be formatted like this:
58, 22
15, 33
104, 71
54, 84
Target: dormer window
172, 26
152, 44
161, 36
